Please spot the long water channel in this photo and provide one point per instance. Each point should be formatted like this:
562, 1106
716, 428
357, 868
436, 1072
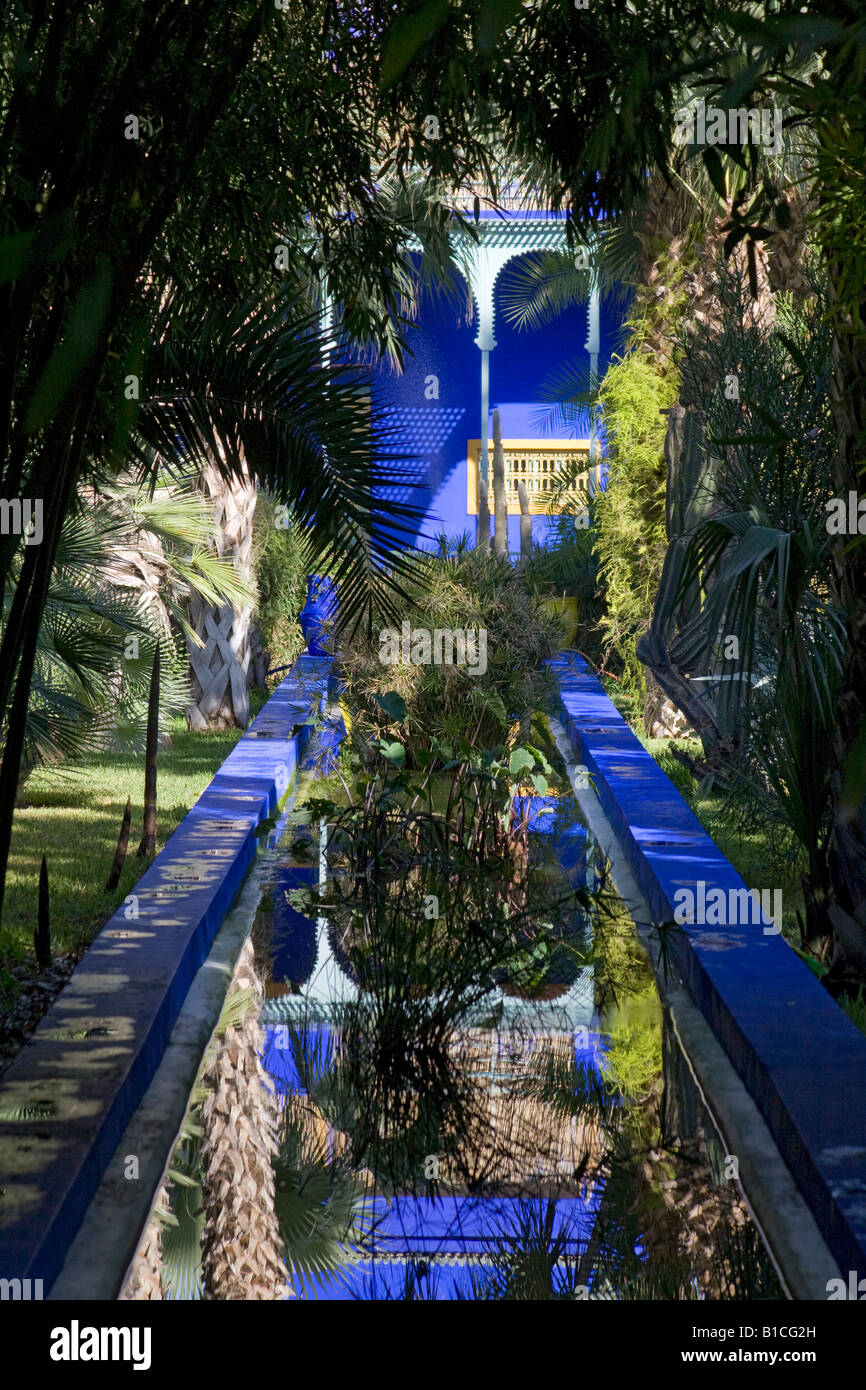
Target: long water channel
470, 1071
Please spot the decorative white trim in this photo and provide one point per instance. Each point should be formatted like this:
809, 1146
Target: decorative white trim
483, 260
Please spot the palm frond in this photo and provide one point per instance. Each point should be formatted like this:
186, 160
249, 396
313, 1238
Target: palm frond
265, 386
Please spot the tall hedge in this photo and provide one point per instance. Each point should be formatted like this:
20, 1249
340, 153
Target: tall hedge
630, 512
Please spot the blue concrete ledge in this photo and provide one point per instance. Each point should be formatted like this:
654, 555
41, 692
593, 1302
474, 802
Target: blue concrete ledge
81, 1091
799, 1056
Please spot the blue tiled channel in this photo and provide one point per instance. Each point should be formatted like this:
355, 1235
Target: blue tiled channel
130, 988
798, 1054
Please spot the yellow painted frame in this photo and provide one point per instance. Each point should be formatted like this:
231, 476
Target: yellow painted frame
552, 446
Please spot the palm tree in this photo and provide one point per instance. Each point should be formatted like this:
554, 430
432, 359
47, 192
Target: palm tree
259, 394
92, 215
144, 1281
242, 1256
127, 566
221, 671
751, 558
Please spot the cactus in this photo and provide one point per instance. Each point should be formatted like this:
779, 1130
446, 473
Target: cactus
500, 504
483, 539
525, 522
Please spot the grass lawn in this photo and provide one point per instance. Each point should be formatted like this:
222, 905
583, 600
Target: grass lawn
72, 816
749, 851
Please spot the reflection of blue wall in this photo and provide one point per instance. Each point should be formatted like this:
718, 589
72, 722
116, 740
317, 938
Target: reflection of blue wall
432, 1247
442, 345
409, 1235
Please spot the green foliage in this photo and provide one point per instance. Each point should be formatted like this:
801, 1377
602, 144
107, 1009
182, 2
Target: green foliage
105, 231
320, 1202
630, 513
183, 1223
621, 967
255, 384
633, 1058
280, 563
757, 558
436, 893
125, 566
469, 589
671, 766
565, 565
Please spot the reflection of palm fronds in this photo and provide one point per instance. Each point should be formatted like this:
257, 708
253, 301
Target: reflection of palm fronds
419, 1065
184, 1224
531, 1259
320, 1200
401, 1088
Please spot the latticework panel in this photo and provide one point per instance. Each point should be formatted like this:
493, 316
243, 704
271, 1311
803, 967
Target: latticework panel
540, 465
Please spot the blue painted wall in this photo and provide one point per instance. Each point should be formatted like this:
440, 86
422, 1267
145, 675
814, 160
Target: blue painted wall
436, 431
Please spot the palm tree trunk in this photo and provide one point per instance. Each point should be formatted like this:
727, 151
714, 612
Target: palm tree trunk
16, 713
144, 1281
221, 667
242, 1252
120, 853
42, 935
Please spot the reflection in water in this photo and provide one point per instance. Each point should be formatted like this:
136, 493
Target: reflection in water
455, 1112
467, 1049
440, 1074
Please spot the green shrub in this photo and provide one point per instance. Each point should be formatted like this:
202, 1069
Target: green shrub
564, 565
280, 562
630, 535
466, 590
633, 1059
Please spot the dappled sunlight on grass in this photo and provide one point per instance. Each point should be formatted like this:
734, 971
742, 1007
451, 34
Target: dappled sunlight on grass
73, 816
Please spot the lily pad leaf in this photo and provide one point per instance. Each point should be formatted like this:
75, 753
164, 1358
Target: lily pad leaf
394, 752
521, 759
